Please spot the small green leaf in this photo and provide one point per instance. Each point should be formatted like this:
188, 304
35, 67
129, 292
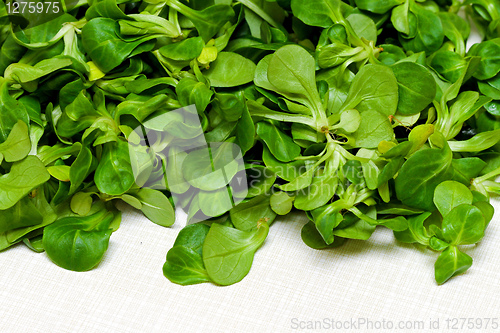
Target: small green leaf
374, 127
184, 263
437, 244
450, 194
451, 262
421, 174
78, 243
374, 88
193, 236
81, 203
416, 87
24, 176
23, 214
17, 145
184, 266
228, 253
230, 70
246, 215
156, 206
212, 168
281, 203
114, 174
215, 203
281, 145
59, 172
463, 225
312, 238
132, 201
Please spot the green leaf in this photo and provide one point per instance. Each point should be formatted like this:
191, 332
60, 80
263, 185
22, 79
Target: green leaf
352, 170
290, 71
184, 263
228, 253
379, 6
23, 214
260, 180
318, 193
390, 170
83, 165
34, 244
429, 33
24, 73
478, 142
78, 243
281, 203
319, 13
449, 64
489, 51
193, 236
81, 203
132, 201
416, 232
349, 121
463, 225
373, 128
16, 235
11, 111
328, 217
213, 168
417, 87
10, 52
190, 92
421, 174
437, 244
450, 194
229, 106
468, 167
245, 131
230, 70
246, 215
451, 262
106, 8
207, 21
184, 266
290, 79
23, 177
175, 178
156, 206
17, 145
312, 238
215, 203
486, 209
105, 46
374, 88
59, 172
391, 54
280, 145
356, 228
114, 174
363, 26
286, 171
398, 223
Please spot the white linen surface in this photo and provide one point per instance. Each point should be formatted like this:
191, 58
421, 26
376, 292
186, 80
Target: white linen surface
289, 287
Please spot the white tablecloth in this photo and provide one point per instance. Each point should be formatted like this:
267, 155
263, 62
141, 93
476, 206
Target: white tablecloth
290, 287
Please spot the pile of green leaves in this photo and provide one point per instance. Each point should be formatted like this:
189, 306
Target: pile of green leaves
361, 113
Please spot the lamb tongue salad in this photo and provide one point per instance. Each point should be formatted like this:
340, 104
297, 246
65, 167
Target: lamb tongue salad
360, 113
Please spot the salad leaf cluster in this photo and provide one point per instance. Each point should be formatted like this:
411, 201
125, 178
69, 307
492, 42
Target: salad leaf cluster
361, 113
